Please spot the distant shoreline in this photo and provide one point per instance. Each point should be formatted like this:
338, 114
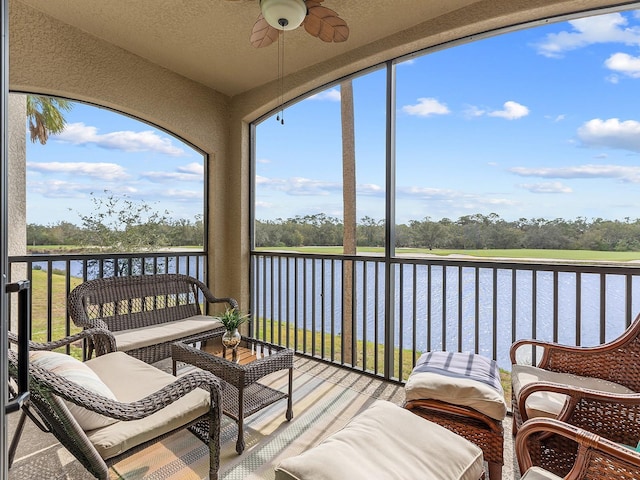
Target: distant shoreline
526, 255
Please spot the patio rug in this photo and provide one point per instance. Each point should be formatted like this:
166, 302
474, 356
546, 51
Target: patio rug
320, 408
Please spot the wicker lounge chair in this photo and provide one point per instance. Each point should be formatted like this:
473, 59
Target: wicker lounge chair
149, 404
597, 457
146, 313
593, 388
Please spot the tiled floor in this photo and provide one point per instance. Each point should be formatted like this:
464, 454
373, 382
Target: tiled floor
40, 456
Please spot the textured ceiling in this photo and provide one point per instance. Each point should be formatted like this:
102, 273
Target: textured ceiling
208, 40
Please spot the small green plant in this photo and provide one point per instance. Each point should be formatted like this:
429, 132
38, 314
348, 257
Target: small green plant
232, 318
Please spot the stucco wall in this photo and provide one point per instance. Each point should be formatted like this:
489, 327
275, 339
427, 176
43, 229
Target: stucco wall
82, 67
16, 194
16, 175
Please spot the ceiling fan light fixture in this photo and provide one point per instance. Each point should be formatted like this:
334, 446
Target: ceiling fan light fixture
283, 14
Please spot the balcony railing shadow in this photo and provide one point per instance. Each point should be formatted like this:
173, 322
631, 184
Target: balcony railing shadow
317, 386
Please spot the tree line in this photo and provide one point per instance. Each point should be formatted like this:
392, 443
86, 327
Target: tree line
469, 232
136, 238
119, 224
134, 231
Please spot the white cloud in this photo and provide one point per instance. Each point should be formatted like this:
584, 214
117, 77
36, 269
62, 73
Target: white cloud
426, 107
496, 201
306, 186
183, 195
546, 187
623, 63
586, 31
65, 189
104, 171
405, 63
615, 79
620, 172
611, 133
473, 111
193, 172
58, 189
332, 95
128, 141
194, 168
299, 185
512, 111
429, 193
263, 161
369, 189
452, 198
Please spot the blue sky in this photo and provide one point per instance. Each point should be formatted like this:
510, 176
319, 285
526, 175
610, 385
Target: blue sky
544, 122
99, 151
541, 123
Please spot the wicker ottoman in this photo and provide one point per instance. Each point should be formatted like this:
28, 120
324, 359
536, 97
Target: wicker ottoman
462, 392
386, 442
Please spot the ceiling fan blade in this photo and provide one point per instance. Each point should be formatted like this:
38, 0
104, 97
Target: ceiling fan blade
324, 23
263, 34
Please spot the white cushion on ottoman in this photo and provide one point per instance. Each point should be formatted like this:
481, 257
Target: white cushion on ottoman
466, 379
386, 441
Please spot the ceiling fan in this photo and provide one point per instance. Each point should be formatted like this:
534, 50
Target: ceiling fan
280, 15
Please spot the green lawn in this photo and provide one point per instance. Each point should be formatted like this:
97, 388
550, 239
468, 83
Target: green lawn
39, 311
305, 339
311, 343
516, 253
568, 255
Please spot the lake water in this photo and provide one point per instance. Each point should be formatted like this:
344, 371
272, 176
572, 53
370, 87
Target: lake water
189, 263
429, 305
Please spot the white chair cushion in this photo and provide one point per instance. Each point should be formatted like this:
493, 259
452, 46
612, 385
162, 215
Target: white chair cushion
537, 473
475, 384
165, 332
386, 441
130, 380
77, 372
549, 404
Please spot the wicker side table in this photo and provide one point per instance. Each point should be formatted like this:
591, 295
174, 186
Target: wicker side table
242, 394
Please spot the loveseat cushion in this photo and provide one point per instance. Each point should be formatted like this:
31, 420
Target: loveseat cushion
135, 338
130, 380
79, 373
386, 441
464, 379
549, 404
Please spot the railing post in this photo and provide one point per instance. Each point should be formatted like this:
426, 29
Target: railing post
390, 222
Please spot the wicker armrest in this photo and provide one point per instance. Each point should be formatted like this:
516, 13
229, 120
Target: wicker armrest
134, 410
597, 457
550, 348
592, 409
211, 298
103, 340
608, 361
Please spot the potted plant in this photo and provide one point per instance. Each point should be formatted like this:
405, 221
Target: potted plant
232, 318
